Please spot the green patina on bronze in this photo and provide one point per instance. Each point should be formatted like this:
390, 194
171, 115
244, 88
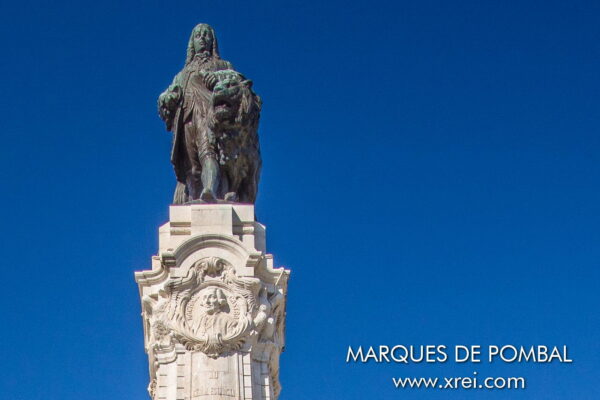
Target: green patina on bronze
213, 114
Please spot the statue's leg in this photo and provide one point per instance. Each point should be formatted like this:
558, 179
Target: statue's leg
210, 166
227, 183
210, 178
252, 182
235, 174
224, 182
247, 193
194, 175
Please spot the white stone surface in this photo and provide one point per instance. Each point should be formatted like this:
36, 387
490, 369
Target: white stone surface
213, 307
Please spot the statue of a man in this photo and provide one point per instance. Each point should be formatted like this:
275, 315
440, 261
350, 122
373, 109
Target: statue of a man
188, 109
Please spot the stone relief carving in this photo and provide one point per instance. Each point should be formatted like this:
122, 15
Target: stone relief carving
213, 309
270, 328
210, 310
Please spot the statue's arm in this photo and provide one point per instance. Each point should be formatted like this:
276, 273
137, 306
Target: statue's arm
169, 100
210, 78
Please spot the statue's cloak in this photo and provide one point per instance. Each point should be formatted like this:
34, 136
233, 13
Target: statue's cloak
195, 103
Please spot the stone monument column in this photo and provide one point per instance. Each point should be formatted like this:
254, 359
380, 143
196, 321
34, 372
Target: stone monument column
213, 305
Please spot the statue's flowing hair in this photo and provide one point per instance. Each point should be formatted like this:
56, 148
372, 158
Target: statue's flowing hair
214, 51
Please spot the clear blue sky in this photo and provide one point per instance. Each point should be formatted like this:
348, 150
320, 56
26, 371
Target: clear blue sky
431, 176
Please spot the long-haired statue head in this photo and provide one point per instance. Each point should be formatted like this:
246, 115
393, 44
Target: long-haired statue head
202, 41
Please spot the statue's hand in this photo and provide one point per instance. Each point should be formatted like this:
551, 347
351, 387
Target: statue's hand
167, 103
170, 97
210, 80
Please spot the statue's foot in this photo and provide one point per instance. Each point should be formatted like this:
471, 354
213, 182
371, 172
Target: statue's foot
208, 196
231, 196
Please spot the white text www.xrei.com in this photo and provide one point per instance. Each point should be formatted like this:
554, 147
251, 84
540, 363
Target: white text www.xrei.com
460, 382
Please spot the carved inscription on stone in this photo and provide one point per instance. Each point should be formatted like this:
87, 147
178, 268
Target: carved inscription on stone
214, 379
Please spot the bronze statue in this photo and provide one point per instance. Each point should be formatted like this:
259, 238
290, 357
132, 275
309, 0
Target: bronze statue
213, 114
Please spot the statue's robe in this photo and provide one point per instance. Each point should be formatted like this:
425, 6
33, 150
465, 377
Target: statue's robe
216, 324
192, 108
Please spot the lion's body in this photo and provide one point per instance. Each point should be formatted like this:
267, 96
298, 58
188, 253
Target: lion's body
236, 135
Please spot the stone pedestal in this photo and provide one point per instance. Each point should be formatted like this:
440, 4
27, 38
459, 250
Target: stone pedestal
213, 307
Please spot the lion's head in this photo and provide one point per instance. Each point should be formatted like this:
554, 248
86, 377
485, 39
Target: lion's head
233, 101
